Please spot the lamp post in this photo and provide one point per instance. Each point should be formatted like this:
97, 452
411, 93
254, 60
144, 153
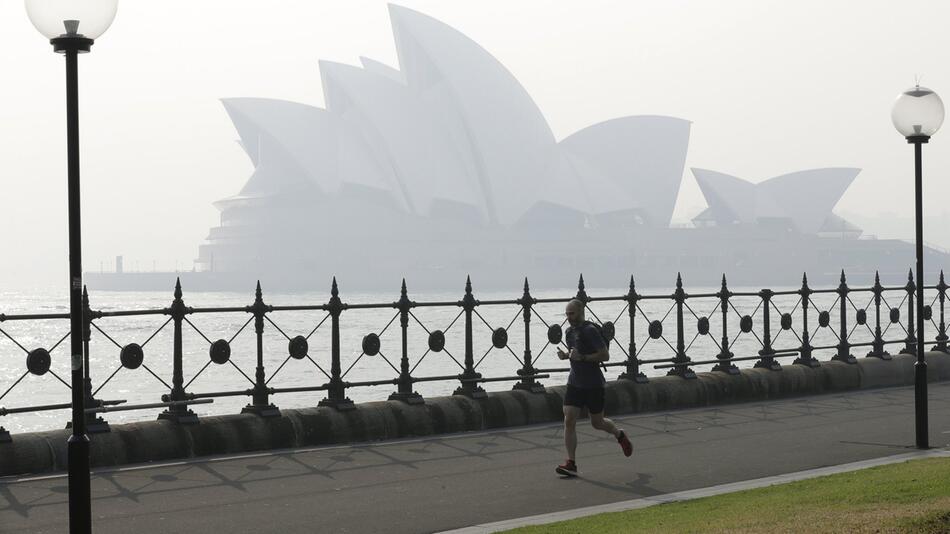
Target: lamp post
917, 114
71, 26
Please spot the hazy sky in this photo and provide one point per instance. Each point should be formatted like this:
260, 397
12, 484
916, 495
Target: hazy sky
771, 87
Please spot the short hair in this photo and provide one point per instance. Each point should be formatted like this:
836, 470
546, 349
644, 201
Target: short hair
577, 305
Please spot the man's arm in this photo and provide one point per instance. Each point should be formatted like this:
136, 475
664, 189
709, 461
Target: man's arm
602, 355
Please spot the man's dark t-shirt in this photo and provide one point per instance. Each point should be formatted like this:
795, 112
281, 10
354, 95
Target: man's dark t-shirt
587, 340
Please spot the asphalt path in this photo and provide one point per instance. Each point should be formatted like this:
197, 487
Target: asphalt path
446, 482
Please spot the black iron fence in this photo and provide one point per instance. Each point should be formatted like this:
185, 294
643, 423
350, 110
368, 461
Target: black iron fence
658, 330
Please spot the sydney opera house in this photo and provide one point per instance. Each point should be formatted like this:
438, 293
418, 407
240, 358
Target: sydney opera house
444, 166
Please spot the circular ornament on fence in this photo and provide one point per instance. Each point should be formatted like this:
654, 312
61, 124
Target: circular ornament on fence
220, 351
895, 315
703, 326
656, 329
928, 312
745, 324
499, 338
824, 319
861, 317
131, 356
786, 321
436, 340
608, 330
38, 361
298, 348
555, 335
371, 344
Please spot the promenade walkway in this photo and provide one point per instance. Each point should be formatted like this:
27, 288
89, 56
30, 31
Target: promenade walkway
448, 482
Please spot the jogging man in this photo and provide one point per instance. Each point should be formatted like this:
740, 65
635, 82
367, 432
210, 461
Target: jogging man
585, 385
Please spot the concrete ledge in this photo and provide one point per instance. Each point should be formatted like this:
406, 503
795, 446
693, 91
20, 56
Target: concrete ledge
40, 452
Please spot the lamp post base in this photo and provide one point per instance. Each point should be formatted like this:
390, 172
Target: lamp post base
920, 404
80, 507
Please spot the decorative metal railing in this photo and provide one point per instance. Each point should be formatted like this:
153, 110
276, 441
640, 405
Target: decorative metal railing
775, 324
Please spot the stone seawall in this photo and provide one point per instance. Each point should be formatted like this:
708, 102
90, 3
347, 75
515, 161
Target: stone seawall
151, 441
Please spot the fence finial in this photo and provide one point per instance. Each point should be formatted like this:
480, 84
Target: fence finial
403, 291
910, 275
525, 284
468, 284
941, 276
679, 281
805, 279
632, 285
580, 283
178, 287
257, 292
334, 291
877, 278
842, 276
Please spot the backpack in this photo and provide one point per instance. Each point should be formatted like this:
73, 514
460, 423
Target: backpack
600, 331
603, 335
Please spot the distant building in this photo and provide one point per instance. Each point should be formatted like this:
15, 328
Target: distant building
800, 201
445, 166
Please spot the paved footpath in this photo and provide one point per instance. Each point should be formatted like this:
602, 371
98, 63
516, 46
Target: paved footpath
449, 482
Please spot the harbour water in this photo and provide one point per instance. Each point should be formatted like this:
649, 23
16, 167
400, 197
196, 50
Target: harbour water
147, 383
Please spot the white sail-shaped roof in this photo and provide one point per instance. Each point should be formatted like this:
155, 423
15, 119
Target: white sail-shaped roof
452, 131
298, 139
643, 155
809, 196
729, 198
382, 69
806, 198
493, 119
403, 132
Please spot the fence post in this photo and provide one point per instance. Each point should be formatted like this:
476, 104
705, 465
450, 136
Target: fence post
260, 404
336, 395
404, 382
767, 353
877, 346
910, 342
942, 327
528, 382
469, 387
681, 360
180, 413
804, 352
94, 423
725, 364
633, 363
844, 348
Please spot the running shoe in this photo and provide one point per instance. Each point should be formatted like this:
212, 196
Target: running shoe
625, 444
568, 468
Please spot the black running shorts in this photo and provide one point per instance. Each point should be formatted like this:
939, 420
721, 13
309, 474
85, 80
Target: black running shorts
592, 398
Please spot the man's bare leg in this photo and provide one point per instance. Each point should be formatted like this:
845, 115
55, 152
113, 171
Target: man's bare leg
598, 421
570, 433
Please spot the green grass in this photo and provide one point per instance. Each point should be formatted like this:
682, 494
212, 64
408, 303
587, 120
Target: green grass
907, 497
